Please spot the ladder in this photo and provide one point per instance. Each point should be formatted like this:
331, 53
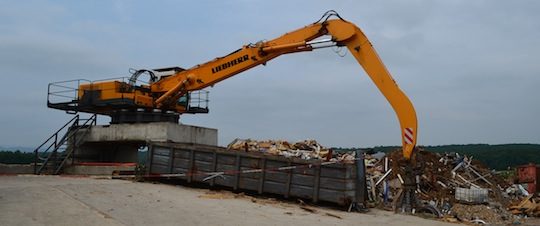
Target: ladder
51, 156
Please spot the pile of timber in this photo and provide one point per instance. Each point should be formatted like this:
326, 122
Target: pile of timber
306, 149
529, 206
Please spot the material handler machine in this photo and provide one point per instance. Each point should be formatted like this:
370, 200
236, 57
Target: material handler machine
173, 91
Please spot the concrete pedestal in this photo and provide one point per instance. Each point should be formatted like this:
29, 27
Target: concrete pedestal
157, 131
120, 143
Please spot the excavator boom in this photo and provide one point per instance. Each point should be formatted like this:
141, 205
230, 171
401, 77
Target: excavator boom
342, 32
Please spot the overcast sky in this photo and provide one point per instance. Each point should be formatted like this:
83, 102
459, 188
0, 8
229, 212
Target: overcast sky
471, 68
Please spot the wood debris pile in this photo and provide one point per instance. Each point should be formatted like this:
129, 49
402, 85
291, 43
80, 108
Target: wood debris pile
452, 186
481, 214
529, 206
482, 194
307, 149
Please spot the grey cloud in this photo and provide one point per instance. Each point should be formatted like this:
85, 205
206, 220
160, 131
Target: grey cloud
470, 67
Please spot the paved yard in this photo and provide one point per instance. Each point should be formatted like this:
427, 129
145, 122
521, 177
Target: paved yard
54, 200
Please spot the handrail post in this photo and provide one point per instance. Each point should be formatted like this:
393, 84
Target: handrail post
73, 145
36, 156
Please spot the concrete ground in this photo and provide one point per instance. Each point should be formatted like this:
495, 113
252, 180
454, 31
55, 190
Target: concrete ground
54, 200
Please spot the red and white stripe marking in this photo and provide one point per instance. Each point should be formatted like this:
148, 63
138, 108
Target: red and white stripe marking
408, 135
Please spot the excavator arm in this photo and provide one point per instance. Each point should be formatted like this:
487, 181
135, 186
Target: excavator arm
343, 33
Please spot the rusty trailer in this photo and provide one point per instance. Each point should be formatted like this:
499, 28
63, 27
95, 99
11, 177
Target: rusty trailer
340, 183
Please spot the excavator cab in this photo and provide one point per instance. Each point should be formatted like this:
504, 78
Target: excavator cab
195, 102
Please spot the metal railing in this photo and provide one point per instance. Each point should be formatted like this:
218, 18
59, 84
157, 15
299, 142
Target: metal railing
65, 95
68, 91
64, 91
49, 149
198, 99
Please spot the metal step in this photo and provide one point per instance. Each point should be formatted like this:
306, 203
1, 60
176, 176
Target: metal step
56, 149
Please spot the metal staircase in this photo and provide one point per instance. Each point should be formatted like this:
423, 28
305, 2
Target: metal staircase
51, 156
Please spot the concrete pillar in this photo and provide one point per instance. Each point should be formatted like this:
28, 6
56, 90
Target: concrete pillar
121, 142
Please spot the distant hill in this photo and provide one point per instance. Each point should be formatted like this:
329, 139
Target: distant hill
17, 148
16, 157
498, 157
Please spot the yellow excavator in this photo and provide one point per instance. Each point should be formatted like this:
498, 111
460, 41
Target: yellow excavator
170, 91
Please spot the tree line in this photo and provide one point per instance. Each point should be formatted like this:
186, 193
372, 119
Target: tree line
497, 157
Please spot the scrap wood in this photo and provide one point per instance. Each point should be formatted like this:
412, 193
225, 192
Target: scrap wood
383, 177
307, 149
483, 177
217, 195
442, 184
397, 197
333, 215
528, 206
456, 168
372, 188
478, 174
468, 182
305, 207
308, 209
523, 202
400, 179
450, 219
